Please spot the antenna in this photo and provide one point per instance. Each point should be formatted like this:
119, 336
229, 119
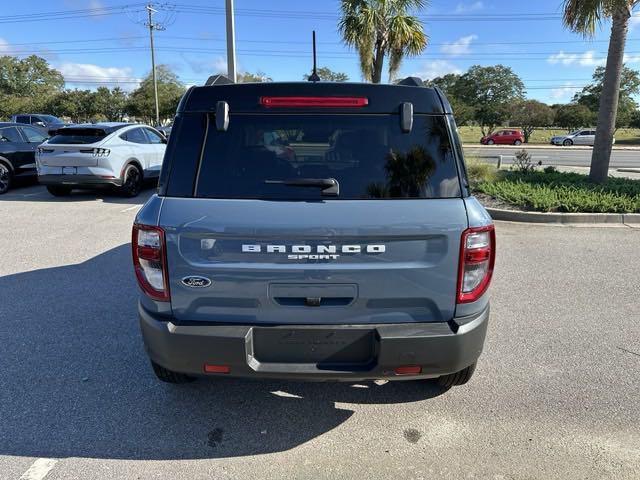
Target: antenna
314, 75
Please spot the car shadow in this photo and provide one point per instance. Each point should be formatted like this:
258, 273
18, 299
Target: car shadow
30, 192
76, 382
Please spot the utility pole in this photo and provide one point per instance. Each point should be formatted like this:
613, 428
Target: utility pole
153, 26
231, 42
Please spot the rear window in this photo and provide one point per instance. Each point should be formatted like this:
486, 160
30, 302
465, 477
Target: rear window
368, 155
78, 136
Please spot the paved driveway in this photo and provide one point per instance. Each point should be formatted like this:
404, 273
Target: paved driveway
555, 395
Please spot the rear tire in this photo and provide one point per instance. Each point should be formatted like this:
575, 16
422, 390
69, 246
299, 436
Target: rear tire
58, 191
169, 376
131, 181
458, 378
6, 178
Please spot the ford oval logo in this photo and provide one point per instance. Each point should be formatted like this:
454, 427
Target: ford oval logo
196, 281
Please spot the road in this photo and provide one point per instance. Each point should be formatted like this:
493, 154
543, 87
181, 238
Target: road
555, 395
560, 156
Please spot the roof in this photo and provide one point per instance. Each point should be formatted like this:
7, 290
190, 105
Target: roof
382, 98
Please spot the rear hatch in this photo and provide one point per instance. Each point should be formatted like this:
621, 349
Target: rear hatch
312, 218
72, 147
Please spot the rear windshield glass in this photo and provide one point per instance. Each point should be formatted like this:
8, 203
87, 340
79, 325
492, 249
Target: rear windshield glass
263, 156
69, 136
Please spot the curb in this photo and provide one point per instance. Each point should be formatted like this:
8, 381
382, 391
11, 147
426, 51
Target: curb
542, 146
565, 218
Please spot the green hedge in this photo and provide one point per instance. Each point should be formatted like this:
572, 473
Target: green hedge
563, 192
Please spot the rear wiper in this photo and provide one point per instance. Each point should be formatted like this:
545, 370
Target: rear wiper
329, 186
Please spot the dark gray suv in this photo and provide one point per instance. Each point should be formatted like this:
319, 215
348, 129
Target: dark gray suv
314, 231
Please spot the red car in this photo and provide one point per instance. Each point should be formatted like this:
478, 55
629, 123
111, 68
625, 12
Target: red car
503, 137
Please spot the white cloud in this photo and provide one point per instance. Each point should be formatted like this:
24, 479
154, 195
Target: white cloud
459, 47
469, 7
208, 67
564, 93
4, 47
586, 59
437, 68
87, 75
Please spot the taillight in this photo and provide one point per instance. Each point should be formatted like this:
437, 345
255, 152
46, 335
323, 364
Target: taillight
150, 261
335, 102
477, 257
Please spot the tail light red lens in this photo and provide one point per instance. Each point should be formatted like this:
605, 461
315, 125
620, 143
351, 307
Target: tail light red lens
477, 258
335, 102
150, 261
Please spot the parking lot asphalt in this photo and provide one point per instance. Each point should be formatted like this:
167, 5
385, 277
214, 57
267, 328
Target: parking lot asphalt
555, 395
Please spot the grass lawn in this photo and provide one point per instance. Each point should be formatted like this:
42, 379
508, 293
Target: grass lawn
556, 191
624, 136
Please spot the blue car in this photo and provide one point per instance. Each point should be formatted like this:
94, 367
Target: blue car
314, 231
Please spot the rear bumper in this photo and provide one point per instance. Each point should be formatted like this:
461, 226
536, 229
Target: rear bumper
78, 180
438, 348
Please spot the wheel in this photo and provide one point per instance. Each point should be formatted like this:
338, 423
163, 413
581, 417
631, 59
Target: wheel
168, 376
458, 378
517, 143
490, 142
132, 181
5, 178
58, 190
567, 143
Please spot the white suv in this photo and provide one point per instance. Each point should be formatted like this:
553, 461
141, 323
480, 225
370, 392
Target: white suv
101, 154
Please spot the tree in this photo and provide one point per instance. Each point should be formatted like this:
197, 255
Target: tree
79, 105
328, 75
464, 112
490, 90
573, 116
629, 86
584, 16
111, 104
141, 101
258, 77
529, 115
26, 84
381, 28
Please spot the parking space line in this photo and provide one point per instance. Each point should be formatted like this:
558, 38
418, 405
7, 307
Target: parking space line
39, 469
130, 208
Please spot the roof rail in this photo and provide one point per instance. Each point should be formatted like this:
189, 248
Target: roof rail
218, 80
411, 82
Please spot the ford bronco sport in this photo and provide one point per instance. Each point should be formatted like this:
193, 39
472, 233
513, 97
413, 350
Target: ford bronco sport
314, 231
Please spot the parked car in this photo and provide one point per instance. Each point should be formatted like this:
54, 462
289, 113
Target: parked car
579, 137
84, 156
18, 145
166, 130
504, 137
355, 251
41, 120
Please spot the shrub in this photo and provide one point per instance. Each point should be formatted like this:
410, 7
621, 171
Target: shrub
564, 192
523, 163
479, 172
550, 169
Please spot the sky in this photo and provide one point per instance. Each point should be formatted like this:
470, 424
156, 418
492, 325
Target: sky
105, 42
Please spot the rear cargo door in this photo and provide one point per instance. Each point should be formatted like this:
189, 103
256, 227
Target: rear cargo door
314, 219
313, 263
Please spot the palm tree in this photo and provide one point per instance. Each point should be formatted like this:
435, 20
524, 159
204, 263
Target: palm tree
379, 28
584, 16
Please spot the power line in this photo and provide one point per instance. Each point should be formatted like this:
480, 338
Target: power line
70, 14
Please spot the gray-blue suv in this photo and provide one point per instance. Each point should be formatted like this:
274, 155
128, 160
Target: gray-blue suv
318, 231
